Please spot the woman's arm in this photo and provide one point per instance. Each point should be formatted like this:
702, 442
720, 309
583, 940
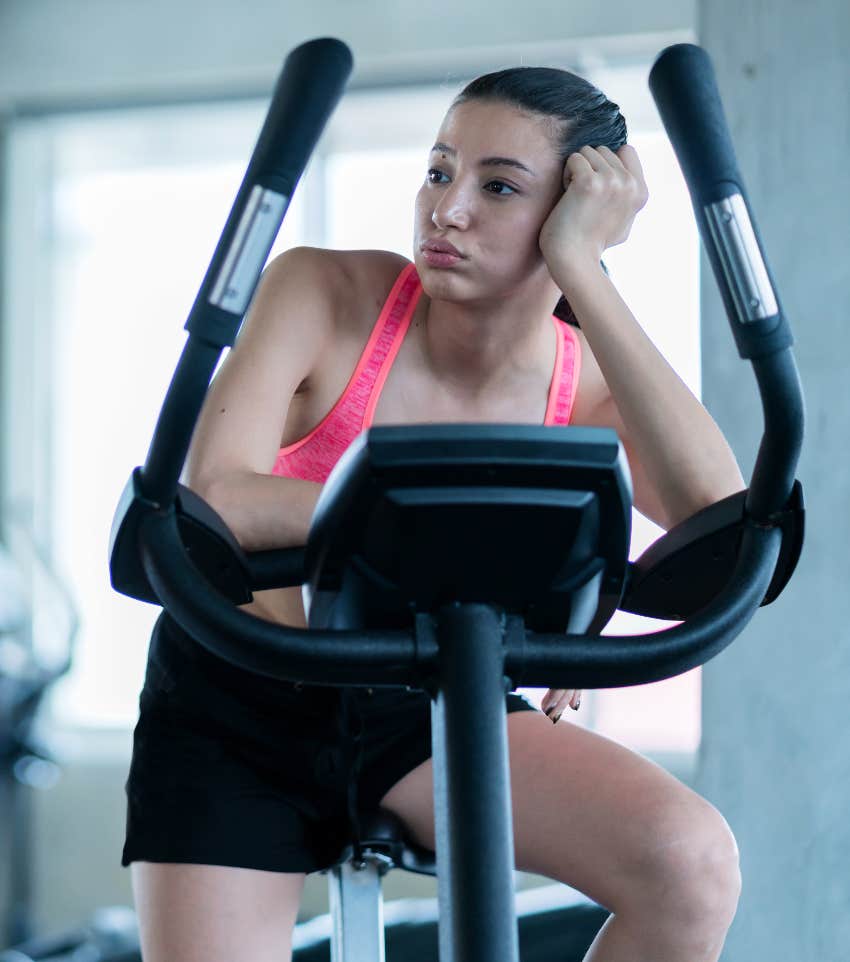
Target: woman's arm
236, 440
680, 460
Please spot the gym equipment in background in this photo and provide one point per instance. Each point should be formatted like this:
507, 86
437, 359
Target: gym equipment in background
26, 675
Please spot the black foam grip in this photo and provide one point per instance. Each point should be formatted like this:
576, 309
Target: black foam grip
684, 86
308, 89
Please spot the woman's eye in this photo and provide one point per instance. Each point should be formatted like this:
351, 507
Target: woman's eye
499, 188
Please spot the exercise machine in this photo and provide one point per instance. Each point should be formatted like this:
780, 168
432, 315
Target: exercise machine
468, 559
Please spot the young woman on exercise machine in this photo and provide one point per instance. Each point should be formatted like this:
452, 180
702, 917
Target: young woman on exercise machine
238, 785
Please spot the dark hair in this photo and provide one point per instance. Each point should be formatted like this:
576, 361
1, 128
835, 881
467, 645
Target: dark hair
581, 113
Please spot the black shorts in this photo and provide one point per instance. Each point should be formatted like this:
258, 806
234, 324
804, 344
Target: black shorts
232, 768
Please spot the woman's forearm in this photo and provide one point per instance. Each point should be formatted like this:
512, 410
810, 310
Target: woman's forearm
682, 451
264, 511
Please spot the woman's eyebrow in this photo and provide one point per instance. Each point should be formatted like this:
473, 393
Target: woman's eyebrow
486, 161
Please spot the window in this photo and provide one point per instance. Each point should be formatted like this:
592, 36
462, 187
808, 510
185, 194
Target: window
135, 202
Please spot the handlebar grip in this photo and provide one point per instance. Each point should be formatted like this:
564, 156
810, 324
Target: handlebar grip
309, 87
683, 84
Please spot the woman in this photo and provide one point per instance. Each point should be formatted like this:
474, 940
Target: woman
239, 785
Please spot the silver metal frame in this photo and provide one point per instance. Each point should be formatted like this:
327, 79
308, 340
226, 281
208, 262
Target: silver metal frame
357, 909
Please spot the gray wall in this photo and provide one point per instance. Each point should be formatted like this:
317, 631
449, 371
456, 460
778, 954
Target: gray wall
776, 742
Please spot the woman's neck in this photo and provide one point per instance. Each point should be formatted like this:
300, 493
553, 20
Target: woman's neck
475, 348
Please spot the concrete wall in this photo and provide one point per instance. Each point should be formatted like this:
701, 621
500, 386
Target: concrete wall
776, 745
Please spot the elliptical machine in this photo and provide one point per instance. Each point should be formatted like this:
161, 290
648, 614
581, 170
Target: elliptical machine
454, 558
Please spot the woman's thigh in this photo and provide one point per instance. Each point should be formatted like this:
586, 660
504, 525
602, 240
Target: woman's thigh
211, 913
586, 810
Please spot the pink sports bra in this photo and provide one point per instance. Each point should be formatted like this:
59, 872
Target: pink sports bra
313, 457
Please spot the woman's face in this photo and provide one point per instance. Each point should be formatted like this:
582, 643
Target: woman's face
493, 177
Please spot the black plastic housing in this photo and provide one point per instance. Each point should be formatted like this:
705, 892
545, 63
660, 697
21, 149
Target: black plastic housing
534, 519
683, 570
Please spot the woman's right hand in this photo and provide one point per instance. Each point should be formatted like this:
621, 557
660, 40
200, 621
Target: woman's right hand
603, 193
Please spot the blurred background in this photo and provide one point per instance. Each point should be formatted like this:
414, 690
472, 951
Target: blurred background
124, 133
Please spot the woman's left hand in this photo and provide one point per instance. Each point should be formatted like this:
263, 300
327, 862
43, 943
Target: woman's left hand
556, 700
603, 193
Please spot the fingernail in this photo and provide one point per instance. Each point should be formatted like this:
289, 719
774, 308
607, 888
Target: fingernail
576, 706
556, 718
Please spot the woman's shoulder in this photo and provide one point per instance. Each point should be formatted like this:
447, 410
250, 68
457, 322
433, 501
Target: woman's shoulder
341, 272
365, 263
355, 282
348, 286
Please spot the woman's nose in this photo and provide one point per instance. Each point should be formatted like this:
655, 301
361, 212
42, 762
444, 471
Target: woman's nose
453, 208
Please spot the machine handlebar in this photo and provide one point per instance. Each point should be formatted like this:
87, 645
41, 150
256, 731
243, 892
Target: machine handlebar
683, 84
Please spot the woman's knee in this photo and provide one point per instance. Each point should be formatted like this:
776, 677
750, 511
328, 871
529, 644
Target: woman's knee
693, 869
688, 870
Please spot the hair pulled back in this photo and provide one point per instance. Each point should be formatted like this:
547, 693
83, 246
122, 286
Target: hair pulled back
580, 114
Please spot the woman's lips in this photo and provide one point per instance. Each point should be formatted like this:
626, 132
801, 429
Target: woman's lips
439, 254
440, 258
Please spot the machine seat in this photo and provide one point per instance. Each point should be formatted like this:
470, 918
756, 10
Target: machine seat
386, 843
